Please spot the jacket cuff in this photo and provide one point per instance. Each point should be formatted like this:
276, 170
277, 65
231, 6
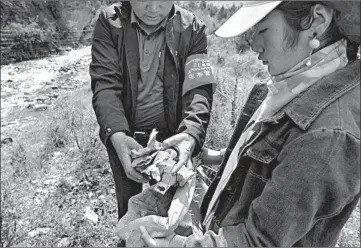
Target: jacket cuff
195, 133
107, 132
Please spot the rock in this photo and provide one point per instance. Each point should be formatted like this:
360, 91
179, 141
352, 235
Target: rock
41, 99
39, 191
65, 69
68, 49
11, 73
40, 107
64, 242
54, 95
38, 231
34, 181
4, 124
31, 105
91, 215
65, 87
6, 141
54, 87
50, 182
27, 93
9, 81
48, 83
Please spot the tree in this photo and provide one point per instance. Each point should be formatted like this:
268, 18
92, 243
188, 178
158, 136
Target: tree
203, 5
222, 14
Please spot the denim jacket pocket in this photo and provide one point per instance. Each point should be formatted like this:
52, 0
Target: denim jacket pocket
263, 151
263, 156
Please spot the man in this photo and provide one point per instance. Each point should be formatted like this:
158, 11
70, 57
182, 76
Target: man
149, 70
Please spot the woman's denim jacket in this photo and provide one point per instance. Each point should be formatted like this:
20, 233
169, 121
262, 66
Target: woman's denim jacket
298, 180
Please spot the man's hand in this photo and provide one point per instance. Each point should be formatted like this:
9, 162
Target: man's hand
123, 144
211, 157
150, 242
184, 144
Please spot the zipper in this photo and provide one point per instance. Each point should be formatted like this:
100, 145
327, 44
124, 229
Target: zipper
170, 48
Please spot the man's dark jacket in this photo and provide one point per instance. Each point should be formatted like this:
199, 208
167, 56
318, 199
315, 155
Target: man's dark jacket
114, 72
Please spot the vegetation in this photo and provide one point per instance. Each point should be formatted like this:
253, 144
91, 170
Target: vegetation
56, 169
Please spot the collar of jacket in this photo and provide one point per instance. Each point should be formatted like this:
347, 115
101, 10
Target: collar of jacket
306, 107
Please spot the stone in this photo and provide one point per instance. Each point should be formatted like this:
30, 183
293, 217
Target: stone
31, 105
38, 231
50, 182
41, 99
40, 107
91, 215
54, 87
64, 69
34, 181
6, 141
64, 242
54, 95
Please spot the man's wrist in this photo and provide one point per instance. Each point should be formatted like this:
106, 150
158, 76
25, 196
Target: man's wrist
116, 135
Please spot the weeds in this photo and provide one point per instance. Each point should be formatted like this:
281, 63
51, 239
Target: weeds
72, 132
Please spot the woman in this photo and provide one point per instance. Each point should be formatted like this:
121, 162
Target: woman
291, 173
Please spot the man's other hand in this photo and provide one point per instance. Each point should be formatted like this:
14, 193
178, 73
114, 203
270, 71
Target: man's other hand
123, 145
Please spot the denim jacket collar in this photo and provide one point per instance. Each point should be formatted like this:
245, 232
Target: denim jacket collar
306, 107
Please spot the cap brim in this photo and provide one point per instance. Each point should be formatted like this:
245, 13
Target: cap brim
245, 18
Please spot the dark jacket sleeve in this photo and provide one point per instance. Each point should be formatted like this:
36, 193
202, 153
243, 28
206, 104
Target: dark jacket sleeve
107, 81
197, 103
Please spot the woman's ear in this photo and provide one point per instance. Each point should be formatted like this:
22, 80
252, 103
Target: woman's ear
322, 18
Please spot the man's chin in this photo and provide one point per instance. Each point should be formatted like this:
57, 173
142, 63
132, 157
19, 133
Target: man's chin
152, 21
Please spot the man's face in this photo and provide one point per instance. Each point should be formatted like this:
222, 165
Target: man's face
151, 12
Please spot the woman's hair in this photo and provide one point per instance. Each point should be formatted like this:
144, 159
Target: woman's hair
345, 23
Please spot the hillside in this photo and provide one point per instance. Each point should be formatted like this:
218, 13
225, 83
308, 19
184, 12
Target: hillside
34, 29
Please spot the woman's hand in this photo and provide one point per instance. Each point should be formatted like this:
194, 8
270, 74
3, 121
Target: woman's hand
211, 157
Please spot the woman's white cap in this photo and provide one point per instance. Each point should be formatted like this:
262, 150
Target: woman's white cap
250, 13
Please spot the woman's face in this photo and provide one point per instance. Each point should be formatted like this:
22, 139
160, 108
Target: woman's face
269, 42
151, 12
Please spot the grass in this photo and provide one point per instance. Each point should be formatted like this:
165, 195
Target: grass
57, 166
87, 182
